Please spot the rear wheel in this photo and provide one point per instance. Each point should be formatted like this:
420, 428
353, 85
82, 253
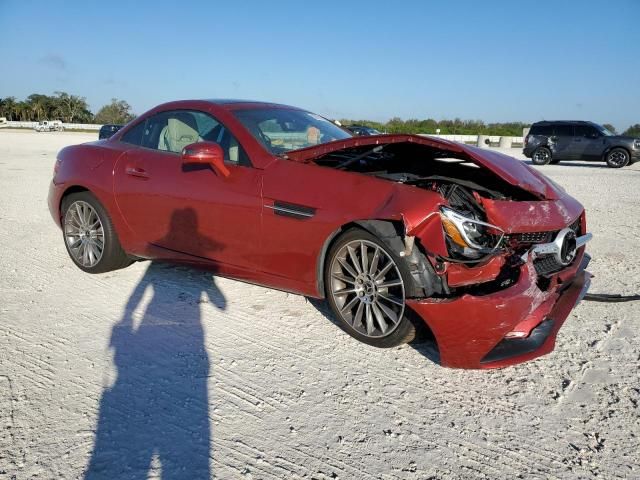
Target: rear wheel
365, 283
541, 156
89, 236
618, 158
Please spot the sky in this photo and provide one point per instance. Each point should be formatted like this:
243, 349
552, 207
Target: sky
487, 60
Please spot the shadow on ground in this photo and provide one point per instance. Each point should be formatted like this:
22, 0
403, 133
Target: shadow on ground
424, 342
156, 415
572, 163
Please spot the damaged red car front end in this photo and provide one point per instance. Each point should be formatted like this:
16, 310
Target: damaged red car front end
502, 303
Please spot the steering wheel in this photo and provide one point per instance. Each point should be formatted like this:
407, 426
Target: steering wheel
266, 140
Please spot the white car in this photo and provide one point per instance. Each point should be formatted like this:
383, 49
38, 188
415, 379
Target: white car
49, 126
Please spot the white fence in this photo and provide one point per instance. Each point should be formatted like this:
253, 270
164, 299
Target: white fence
67, 126
454, 138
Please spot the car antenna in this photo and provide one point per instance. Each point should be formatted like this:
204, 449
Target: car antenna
346, 163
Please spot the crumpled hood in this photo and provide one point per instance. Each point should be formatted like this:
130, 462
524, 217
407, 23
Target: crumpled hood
509, 169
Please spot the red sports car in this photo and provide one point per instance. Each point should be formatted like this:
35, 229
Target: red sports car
399, 233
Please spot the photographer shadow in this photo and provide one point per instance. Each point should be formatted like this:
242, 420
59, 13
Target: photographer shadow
156, 414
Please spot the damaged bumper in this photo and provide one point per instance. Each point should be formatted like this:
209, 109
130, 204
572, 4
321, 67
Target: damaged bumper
507, 327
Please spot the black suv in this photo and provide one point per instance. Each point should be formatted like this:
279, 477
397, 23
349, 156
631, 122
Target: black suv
107, 130
550, 142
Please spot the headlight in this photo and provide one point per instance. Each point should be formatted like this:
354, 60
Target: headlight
636, 144
468, 236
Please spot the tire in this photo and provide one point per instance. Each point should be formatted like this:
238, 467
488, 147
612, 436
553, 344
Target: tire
541, 156
84, 222
373, 314
617, 158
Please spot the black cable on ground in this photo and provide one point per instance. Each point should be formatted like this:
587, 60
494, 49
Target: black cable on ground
610, 298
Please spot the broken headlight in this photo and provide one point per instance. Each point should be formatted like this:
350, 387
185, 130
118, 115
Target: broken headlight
468, 236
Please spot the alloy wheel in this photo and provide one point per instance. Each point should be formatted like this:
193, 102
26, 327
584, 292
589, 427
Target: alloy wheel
541, 156
367, 288
83, 233
618, 158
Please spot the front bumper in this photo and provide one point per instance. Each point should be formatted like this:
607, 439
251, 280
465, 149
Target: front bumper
470, 330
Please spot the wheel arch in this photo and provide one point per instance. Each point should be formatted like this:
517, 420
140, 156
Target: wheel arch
121, 228
322, 257
68, 191
390, 232
612, 147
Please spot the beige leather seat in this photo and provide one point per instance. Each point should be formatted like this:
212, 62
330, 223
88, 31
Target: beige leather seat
178, 134
234, 150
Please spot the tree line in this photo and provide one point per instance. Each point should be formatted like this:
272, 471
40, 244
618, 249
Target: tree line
74, 109
460, 127
63, 106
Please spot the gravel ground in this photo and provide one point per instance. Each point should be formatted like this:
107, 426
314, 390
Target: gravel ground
159, 371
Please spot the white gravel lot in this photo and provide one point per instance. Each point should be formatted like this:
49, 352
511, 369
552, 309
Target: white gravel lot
153, 372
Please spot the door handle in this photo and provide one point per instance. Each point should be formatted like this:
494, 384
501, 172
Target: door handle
137, 172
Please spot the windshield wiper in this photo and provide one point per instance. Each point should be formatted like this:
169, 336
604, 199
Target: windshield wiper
346, 163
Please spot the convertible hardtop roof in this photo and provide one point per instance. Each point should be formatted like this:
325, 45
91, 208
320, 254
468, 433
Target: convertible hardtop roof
234, 104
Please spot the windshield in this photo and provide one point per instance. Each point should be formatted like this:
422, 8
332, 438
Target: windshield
604, 131
282, 130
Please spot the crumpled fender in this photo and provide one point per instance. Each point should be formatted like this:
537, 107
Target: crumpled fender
420, 215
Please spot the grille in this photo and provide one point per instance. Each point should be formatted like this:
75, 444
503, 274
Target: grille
532, 237
543, 237
547, 265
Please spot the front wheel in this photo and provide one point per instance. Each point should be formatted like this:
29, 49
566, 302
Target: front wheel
542, 156
89, 236
618, 158
365, 286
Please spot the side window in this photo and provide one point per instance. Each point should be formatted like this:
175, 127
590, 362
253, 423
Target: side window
210, 130
544, 130
134, 136
586, 131
146, 133
172, 131
564, 130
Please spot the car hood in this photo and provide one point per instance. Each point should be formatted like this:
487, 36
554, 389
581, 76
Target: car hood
624, 138
509, 169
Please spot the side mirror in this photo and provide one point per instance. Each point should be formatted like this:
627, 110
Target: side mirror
205, 153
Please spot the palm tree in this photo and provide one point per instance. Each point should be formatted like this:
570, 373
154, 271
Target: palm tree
8, 108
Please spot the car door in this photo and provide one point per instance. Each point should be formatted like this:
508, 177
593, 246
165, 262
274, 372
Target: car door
189, 208
590, 146
563, 141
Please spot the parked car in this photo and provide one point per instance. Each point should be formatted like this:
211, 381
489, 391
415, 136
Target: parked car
361, 130
107, 130
49, 126
553, 141
484, 253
